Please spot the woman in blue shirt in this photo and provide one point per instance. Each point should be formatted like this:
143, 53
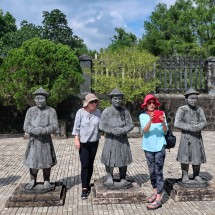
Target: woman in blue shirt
153, 144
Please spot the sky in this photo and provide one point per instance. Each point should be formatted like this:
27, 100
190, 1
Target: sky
92, 20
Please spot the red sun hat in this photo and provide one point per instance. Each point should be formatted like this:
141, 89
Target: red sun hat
147, 98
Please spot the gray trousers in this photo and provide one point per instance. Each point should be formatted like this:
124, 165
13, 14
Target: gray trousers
155, 162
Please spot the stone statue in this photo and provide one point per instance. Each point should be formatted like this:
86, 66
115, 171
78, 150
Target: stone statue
116, 122
191, 120
40, 122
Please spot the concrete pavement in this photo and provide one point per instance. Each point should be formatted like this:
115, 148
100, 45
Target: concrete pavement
67, 171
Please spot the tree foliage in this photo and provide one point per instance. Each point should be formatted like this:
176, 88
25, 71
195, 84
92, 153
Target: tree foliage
126, 69
55, 28
187, 27
122, 39
7, 23
15, 39
39, 63
7, 26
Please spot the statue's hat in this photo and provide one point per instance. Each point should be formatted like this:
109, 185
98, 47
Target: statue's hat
116, 92
191, 91
41, 91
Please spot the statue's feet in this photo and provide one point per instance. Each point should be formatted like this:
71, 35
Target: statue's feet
109, 182
31, 185
124, 183
47, 185
185, 179
199, 179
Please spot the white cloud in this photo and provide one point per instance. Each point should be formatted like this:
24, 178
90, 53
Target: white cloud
167, 2
92, 20
117, 19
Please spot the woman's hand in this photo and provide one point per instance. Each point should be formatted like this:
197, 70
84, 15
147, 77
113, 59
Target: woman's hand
162, 118
77, 143
147, 127
151, 115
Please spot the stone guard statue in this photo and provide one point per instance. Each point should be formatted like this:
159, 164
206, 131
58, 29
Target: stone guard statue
40, 122
116, 122
191, 120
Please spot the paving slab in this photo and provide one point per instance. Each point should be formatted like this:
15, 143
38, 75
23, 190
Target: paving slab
67, 171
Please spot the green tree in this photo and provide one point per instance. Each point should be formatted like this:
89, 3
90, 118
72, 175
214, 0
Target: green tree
7, 26
205, 25
15, 39
55, 28
7, 23
127, 69
187, 27
122, 39
92, 53
39, 63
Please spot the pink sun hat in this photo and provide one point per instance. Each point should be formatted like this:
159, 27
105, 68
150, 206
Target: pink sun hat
88, 98
147, 98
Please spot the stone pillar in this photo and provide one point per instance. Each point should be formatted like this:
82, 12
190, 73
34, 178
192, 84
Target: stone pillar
62, 127
210, 74
86, 65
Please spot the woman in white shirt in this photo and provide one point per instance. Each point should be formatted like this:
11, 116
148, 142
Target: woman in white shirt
86, 132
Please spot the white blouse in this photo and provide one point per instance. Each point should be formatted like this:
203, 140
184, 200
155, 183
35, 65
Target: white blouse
86, 125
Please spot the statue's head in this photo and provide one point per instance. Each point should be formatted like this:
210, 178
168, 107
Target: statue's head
191, 97
40, 96
116, 97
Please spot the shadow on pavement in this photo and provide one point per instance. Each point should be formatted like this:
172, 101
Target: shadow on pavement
71, 181
9, 180
140, 178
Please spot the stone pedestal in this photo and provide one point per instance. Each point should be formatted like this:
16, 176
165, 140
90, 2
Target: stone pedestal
37, 197
181, 192
103, 195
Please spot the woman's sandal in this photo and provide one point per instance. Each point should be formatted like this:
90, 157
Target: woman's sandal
155, 205
152, 198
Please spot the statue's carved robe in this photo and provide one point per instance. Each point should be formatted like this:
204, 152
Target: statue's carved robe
116, 151
191, 122
40, 152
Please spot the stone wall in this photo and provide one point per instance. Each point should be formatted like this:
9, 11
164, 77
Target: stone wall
12, 121
170, 104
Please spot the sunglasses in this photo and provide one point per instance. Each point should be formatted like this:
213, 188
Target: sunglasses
149, 103
94, 101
